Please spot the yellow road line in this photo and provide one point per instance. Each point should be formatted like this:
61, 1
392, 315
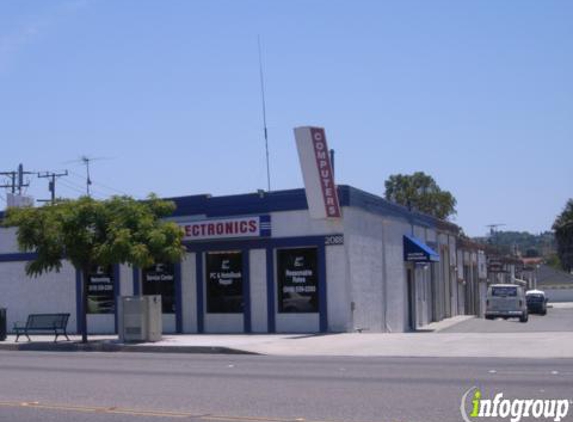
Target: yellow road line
90, 409
148, 413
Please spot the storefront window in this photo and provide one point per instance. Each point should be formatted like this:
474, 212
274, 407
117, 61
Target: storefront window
100, 289
297, 280
224, 282
160, 280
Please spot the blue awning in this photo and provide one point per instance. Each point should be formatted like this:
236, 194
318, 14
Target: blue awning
417, 251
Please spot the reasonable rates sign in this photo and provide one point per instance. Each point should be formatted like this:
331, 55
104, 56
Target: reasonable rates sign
314, 157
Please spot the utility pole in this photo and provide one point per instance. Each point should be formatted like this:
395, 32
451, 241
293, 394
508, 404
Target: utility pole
12, 175
17, 178
51, 184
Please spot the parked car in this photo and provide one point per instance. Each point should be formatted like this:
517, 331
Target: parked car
536, 301
506, 301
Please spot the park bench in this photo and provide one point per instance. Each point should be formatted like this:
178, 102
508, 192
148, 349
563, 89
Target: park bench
55, 323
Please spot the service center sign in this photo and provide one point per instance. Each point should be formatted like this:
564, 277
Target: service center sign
257, 226
317, 173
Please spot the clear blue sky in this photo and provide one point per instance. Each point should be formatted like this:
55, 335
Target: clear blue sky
477, 94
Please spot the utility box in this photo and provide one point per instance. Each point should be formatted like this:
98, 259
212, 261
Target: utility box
140, 318
3, 324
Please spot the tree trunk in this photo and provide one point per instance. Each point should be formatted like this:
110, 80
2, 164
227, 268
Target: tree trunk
84, 304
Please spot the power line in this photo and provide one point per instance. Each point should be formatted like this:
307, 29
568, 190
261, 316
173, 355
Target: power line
101, 185
71, 187
80, 188
71, 182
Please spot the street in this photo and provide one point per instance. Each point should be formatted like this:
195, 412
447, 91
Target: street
557, 320
48, 386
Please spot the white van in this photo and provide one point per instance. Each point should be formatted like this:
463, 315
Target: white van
506, 301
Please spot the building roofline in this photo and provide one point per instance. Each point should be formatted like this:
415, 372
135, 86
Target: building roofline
293, 200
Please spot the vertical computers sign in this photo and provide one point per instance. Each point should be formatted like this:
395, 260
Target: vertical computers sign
317, 172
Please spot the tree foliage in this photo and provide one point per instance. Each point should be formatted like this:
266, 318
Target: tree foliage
563, 227
88, 232
530, 245
420, 192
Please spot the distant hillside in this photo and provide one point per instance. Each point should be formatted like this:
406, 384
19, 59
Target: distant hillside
525, 243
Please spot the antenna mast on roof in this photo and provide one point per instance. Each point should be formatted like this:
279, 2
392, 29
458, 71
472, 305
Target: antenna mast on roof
86, 160
264, 114
493, 227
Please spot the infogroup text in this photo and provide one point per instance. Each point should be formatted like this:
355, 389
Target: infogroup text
476, 406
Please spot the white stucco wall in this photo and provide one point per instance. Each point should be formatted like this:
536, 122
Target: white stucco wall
338, 290
51, 292
298, 323
189, 293
363, 234
299, 223
125, 280
558, 294
101, 323
397, 303
8, 241
375, 249
258, 290
224, 323
431, 236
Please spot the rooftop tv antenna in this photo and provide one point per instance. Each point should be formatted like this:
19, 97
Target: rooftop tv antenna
85, 160
261, 76
493, 227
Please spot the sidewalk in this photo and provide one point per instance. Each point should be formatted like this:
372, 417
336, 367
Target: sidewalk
419, 344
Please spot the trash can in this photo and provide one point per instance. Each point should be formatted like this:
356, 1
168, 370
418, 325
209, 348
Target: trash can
2, 324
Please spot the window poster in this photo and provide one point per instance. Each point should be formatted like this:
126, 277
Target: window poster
297, 280
100, 290
160, 280
224, 278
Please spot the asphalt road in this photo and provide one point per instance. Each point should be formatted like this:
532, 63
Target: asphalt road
556, 320
122, 387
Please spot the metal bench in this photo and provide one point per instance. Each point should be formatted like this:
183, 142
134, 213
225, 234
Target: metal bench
55, 323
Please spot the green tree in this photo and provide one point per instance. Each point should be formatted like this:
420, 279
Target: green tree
420, 192
87, 232
563, 227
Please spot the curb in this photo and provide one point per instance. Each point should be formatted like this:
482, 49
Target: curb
114, 347
450, 322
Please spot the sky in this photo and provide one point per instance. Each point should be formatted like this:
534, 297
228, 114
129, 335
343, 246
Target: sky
165, 97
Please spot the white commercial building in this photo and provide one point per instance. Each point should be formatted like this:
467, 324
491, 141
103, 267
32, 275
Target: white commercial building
258, 263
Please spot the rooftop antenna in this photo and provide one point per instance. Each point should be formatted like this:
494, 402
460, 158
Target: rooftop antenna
493, 227
85, 160
264, 114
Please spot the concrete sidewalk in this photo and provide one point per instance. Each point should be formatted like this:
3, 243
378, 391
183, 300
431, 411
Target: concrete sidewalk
419, 344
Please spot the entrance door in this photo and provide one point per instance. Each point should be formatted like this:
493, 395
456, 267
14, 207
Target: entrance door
224, 292
411, 291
